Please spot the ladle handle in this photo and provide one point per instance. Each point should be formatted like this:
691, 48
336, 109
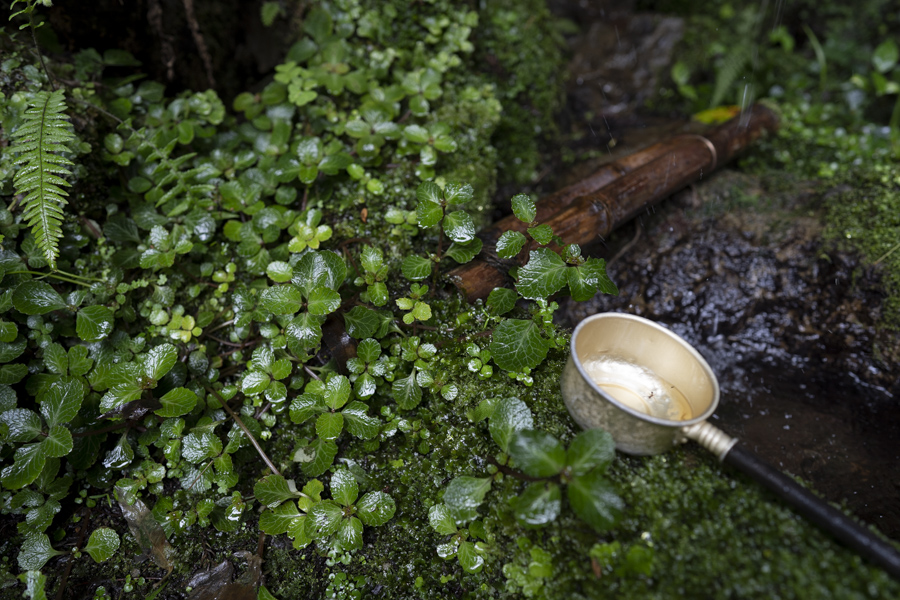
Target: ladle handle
859, 538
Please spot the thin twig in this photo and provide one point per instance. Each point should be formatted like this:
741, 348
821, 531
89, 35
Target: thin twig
243, 427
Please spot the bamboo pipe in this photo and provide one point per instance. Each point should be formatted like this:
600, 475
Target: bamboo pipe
582, 212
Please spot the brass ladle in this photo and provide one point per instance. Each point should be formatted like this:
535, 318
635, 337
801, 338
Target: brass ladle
652, 390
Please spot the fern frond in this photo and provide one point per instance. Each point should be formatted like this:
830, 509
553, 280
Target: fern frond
40, 141
729, 70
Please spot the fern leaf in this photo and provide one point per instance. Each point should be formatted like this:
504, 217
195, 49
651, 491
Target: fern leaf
730, 69
40, 141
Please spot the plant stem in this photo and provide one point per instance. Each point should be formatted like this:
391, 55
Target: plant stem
61, 275
243, 427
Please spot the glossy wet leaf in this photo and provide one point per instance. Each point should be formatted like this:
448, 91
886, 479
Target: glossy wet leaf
8, 331
304, 332
542, 234
406, 391
327, 516
177, 402
58, 442
586, 280
349, 534
322, 268
518, 344
329, 425
361, 322
344, 489
428, 191
458, 193
524, 208
543, 275
28, 461
279, 271
885, 56
272, 490
160, 360
36, 298
459, 226
469, 558
415, 267
376, 508
61, 402
464, 252
323, 301
501, 300
23, 424
591, 449
35, 585
509, 415
510, 244
94, 323
323, 453
255, 382
282, 299
337, 391
441, 520
306, 406
594, 500
463, 495
279, 519
538, 504
537, 453
358, 423
35, 552
102, 544
428, 213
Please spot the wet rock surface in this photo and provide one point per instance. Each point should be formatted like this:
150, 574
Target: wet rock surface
790, 331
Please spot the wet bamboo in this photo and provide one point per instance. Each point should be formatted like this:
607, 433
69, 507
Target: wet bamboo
586, 211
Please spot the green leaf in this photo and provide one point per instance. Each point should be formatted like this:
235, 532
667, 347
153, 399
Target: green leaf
441, 520
406, 391
326, 517
58, 442
510, 244
428, 213
524, 208
469, 557
458, 193
280, 519
344, 489
61, 401
595, 501
537, 453
281, 368
279, 271
36, 298
368, 350
12, 374
323, 301
542, 234
463, 253
428, 191
306, 406
79, 363
459, 226
376, 508
35, 585
282, 299
176, 402
304, 332
585, 280
361, 322
538, 504
337, 391
102, 544
28, 462
358, 423
591, 449
35, 552
349, 535
510, 415
885, 56
24, 425
378, 293
159, 361
518, 345
501, 300
329, 425
8, 331
323, 453
415, 267
272, 490
464, 495
322, 268
371, 259
543, 275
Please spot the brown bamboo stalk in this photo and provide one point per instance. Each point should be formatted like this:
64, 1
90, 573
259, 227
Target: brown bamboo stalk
581, 218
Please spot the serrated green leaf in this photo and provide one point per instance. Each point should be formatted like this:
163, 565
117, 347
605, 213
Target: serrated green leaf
35, 552
428, 191
518, 344
58, 442
510, 244
282, 299
458, 193
94, 323
378, 293
177, 402
303, 531
428, 214
465, 252
306, 406
304, 332
542, 234
323, 453
79, 363
326, 517
27, 464
543, 275
464, 495
537, 453
8, 331
279, 519
591, 449
24, 425
524, 208
36, 298
585, 280
281, 368
323, 301
349, 535
406, 391
501, 300
441, 520
510, 415
358, 423
279, 271
469, 557
255, 382
12, 374
322, 268
594, 500
344, 489
448, 550
329, 425
35, 585
376, 508
368, 350
415, 267
459, 226
159, 361
337, 391
372, 259
272, 490
102, 544
538, 504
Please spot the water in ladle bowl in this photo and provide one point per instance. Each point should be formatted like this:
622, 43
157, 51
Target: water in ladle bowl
637, 387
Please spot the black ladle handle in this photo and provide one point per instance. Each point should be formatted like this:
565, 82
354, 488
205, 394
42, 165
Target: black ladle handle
817, 511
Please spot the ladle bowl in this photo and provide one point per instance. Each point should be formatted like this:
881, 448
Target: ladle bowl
651, 390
